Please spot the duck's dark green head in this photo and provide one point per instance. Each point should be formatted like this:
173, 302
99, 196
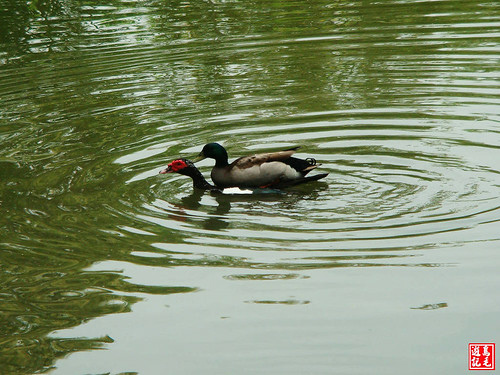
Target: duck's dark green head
214, 151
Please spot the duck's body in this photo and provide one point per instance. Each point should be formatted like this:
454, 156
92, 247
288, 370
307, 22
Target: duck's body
187, 168
274, 169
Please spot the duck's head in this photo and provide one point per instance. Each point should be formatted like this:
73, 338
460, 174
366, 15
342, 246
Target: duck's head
213, 151
187, 168
182, 166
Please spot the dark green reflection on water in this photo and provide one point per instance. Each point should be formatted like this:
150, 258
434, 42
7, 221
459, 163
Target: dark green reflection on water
38, 25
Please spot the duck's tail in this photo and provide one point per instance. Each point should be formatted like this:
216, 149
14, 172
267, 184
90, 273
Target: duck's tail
301, 165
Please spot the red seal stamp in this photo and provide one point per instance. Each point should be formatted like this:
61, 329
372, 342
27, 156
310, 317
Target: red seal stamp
481, 356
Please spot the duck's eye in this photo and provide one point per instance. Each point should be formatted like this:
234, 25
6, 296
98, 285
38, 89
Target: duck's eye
177, 165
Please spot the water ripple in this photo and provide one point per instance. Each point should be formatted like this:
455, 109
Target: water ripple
404, 119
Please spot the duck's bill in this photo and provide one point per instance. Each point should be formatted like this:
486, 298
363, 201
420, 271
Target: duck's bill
200, 157
166, 170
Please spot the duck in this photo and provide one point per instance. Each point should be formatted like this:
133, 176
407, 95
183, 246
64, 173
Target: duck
270, 170
187, 168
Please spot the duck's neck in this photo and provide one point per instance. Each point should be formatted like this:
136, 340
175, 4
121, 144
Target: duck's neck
199, 181
221, 158
221, 163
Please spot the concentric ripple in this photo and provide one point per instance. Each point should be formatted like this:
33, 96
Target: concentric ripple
390, 187
414, 173
403, 118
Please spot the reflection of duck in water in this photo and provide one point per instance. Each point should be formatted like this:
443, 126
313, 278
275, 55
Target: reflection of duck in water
274, 170
193, 201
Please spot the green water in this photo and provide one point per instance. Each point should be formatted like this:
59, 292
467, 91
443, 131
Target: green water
387, 266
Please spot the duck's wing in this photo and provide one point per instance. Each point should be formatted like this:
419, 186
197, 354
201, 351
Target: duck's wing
246, 162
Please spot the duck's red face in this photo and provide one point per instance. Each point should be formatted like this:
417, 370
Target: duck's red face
175, 166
